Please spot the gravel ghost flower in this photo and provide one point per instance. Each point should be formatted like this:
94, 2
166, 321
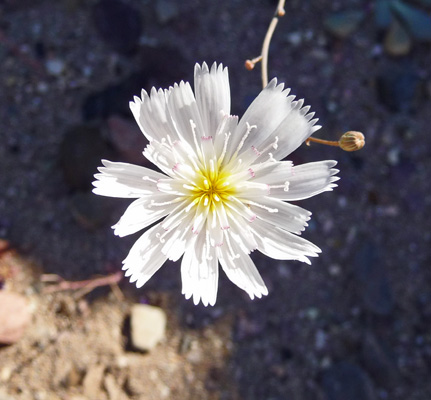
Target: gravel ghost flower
222, 191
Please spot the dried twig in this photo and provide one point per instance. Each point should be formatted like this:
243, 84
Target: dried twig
83, 286
265, 47
249, 64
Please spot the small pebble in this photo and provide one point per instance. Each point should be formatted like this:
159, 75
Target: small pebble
54, 66
320, 339
148, 325
294, 38
42, 87
334, 270
312, 313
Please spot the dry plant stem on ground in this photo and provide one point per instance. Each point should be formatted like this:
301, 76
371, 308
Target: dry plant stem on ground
83, 287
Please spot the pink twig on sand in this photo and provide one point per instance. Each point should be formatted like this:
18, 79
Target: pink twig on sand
82, 286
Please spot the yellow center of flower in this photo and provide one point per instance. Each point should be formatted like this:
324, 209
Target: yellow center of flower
212, 187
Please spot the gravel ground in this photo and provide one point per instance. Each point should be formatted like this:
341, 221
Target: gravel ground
353, 326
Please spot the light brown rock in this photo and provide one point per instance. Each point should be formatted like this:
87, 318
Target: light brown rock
15, 315
113, 389
93, 381
148, 324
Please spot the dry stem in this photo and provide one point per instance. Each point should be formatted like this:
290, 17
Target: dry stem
279, 12
322, 141
83, 287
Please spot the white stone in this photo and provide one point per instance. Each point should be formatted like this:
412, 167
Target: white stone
148, 324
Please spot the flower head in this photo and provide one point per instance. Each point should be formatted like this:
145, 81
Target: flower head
222, 189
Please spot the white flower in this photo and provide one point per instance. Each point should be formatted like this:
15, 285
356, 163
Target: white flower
222, 190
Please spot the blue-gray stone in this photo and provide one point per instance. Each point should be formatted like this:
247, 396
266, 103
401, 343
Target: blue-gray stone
118, 24
417, 21
347, 381
379, 360
372, 281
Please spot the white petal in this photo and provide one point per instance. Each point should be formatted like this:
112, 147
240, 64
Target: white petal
145, 258
161, 155
148, 268
223, 136
173, 187
222, 217
200, 217
152, 115
178, 215
241, 234
125, 180
200, 276
307, 180
288, 216
282, 245
238, 209
266, 112
214, 229
176, 240
272, 173
269, 172
185, 114
294, 130
243, 273
142, 213
147, 241
281, 125
248, 189
212, 95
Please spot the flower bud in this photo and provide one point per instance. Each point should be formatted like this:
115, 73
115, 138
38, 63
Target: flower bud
249, 64
352, 141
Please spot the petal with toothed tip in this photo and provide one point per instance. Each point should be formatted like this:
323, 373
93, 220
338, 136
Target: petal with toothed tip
307, 180
212, 95
243, 273
152, 115
200, 278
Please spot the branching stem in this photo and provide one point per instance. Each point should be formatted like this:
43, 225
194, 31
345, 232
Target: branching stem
263, 57
279, 12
